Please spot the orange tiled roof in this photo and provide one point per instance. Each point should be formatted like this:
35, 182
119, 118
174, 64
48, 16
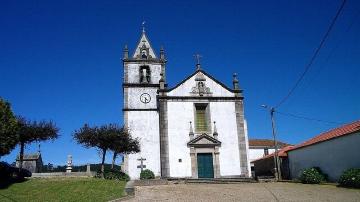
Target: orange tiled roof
265, 143
331, 134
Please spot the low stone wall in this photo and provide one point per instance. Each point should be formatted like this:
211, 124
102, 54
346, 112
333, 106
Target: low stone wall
150, 182
64, 174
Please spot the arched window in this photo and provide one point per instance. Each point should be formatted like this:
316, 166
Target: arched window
145, 74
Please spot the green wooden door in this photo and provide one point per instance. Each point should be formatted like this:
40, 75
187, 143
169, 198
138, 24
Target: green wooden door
205, 165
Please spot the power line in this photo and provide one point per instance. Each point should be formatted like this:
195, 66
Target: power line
307, 67
307, 118
331, 53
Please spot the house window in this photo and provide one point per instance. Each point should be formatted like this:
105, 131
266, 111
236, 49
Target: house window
145, 74
266, 151
201, 118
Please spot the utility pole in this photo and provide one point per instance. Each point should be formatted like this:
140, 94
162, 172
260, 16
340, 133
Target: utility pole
277, 169
276, 156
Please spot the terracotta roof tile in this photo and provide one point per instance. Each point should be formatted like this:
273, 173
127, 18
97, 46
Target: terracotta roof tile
331, 134
265, 143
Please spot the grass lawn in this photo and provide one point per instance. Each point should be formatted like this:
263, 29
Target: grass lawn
64, 189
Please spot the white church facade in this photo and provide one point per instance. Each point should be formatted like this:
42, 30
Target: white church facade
193, 130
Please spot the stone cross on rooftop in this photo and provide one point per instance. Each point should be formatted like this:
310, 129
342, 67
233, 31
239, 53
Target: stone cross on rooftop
143, 26
197, 57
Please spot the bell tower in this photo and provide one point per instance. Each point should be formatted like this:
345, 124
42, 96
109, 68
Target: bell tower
142, 72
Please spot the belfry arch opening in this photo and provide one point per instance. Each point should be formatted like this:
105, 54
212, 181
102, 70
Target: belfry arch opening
145, 74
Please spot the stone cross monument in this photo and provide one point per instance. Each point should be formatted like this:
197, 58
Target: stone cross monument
142, 165
69, 164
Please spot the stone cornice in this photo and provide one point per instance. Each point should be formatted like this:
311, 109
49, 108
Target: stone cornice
210, 98
149, 109
144, 85
141, 60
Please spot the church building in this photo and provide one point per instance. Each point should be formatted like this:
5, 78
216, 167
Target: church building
195, 129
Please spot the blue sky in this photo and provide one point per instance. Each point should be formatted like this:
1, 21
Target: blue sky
60, 60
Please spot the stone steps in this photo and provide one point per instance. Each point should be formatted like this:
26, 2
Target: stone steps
220, 180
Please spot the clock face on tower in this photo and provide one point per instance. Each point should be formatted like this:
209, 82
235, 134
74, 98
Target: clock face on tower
145, 98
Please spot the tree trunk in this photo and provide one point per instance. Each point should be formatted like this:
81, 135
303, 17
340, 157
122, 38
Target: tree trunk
102, 162
113, 160
21, 156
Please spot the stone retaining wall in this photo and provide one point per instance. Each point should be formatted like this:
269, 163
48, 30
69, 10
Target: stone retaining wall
64, 174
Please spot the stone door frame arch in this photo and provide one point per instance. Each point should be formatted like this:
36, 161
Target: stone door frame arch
204, 144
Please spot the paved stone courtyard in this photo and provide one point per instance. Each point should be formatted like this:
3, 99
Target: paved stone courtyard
245, 192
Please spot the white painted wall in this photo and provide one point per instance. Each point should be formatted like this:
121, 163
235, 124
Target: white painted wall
179, 116
224, 115
145, 125
332, 156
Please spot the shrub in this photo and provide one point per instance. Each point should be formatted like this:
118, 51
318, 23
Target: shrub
113, 174
5, 172
350, 178
312, 176
147, 174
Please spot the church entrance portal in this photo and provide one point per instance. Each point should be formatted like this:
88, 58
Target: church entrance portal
205, 165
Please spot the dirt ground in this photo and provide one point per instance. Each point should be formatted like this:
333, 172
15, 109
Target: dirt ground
245, 192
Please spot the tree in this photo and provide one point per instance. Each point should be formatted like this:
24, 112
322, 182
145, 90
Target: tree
31, 131
99, 137
105, 138
124, 144
8, 128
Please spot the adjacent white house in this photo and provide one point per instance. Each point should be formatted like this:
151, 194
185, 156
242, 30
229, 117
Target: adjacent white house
333, 152
195, 129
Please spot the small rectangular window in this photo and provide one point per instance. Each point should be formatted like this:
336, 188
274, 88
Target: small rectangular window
201, 119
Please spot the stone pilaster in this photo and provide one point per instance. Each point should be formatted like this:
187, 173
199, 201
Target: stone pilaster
126, 72
216, 163
193, 158
163, 72
164, 140
239, 110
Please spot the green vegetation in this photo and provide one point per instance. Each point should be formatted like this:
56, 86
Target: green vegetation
18, 130
350, 178
8, 128
147, 174
64, 189
113, 174
312, 176
32, 131
107, 137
